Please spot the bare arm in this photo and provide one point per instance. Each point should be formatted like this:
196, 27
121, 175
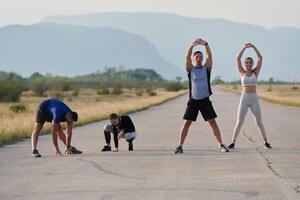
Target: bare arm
259, 62
69, 134
188, 59
239, 62
209, 61
55, 128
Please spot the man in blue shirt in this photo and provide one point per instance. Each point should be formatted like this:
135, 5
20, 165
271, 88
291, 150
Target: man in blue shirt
54, 111
199, 92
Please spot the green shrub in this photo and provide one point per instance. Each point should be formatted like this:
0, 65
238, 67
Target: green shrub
103, 91
57, 94
117, 89
64, 84
174, 86
75, 92
150, 92
10, 90
234, 86
185, 87
18, 108
39, 86
36, 75
139, 92
218, 81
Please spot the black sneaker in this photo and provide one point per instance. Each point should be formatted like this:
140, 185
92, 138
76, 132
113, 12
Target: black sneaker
231, 146
223, 149
267, 146
106, 148
36, 153
178, 150
130, 147
75, 151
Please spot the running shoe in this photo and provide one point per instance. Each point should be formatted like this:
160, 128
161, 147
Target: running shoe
223, 148
130, 147
231, 146
36, 153
75, 151
106, 148
267, 146
178, 150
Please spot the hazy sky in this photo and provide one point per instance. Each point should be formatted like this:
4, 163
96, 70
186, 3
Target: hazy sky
267, 13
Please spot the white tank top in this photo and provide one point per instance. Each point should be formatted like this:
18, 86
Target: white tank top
249, 80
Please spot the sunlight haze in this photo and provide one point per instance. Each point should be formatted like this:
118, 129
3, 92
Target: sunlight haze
263, 13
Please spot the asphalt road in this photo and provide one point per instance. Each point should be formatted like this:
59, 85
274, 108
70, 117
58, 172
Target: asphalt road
152, 171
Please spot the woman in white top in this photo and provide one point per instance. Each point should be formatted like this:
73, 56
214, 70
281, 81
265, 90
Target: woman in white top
249, 97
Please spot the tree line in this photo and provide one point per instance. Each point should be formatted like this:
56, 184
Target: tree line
12, 85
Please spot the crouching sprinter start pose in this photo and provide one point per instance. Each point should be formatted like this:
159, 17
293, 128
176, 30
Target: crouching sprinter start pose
120, 127
54, 111
199, 85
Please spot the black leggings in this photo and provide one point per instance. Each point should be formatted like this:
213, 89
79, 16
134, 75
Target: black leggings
108, 137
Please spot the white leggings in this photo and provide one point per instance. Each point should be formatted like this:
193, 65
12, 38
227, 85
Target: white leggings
249, 100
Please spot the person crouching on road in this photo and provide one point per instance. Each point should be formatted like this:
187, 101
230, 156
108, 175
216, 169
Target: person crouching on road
120, 127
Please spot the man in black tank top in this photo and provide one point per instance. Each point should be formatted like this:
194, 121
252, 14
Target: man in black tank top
199, 85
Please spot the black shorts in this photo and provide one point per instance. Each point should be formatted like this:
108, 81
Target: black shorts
42, 115
205, 107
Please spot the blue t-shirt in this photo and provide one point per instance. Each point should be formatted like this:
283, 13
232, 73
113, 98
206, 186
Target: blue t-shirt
56, 109
199, 82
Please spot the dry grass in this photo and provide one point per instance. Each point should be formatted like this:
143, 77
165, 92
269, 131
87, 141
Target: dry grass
90, 107
280, 94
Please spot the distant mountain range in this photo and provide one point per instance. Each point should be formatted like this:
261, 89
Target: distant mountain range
171, 34
76, 50
82, 44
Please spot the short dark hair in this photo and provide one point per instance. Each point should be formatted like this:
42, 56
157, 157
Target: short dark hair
113, 116
249, 58
74, 116
197, 52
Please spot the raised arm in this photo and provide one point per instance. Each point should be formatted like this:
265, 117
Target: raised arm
239, 62
188, 57
259, 61
209, 61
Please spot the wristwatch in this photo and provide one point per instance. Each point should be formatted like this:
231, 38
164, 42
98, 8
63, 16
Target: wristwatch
206, 44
